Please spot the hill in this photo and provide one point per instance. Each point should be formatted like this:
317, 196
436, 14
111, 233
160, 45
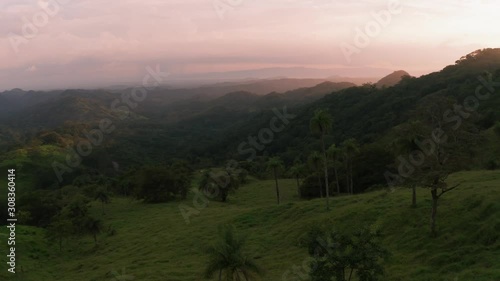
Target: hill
154, 242
392, 79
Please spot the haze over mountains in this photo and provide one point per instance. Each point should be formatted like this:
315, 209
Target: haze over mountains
84, 105
202, 129
348, 75
239, 140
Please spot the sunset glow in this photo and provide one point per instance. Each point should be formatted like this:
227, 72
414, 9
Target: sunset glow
95, 43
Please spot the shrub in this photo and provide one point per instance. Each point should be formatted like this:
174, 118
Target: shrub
310, 187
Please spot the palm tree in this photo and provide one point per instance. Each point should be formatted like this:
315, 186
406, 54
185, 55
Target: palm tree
103, 196
227, 258
275, 164
350, 149
321, 123
315, 163
297, 171
334, 153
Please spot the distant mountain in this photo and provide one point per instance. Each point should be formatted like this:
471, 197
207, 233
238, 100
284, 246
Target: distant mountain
264, 86
280, 72
54, 110
318, 91
392, 79
356, 80
17, 99
245, 101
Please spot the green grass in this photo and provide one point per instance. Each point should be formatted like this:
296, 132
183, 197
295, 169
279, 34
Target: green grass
153, 242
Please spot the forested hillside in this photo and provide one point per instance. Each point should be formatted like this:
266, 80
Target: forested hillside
376, 158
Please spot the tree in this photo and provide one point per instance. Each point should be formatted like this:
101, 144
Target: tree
219, 183
334, 153
103, 196
321, 123
93, 227
406, 144
60, 228
297, 171
446, 148
227, 258
158, 184
314, 161
350, 148
339, 256
275, 164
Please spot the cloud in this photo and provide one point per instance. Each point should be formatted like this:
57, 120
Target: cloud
31, 69
96, 42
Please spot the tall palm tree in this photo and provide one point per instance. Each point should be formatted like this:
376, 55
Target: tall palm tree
227, 259
350, 149
275, 164
297, 171
334, 153
321, 123
315, 163
103, 196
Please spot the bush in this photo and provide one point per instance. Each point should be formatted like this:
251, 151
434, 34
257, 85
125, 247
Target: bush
310, 187
497, 128
162, 184
338, 255
492, 164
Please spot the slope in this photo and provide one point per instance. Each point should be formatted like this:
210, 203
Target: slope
154, 242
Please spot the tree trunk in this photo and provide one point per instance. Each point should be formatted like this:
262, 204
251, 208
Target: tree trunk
350, 274
347, 178
60, 244
320, 186
337, 180
220, 274
95, 238
414, 196
298, 184
277, 187
326, 172
434, 211
103, 208
350, 174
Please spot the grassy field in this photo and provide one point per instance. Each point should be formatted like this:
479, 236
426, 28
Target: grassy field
154, 242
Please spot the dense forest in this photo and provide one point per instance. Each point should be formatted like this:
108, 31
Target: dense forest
324, 143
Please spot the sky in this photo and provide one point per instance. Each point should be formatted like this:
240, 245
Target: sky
50, 44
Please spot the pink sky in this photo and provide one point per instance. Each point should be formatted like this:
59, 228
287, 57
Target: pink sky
89, 43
